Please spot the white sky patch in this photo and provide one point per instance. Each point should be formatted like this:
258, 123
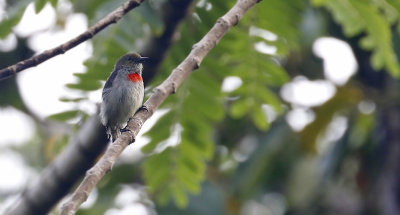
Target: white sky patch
126, 196
304, 92
265, 34
276, 202
2, 9
33, 23
270, 112
15, 174
205, 4
8, 202
135, 208
231, 83
245, 148
9, 43
75, 25
42, 86
132, 200
262, 46
134, 153
270, 204
16, 128
298, 118
91, 199
173, 140
338, 59
265, 48
95, 96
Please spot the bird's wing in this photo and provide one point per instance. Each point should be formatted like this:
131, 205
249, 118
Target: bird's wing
109, 82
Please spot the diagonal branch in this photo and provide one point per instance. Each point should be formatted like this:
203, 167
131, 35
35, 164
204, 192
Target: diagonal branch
160, 93
57, 179
111, 18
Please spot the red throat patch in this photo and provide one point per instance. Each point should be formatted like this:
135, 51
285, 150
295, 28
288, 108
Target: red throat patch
134, 77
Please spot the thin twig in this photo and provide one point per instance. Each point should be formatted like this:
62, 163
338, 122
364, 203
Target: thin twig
160, 93
111, 18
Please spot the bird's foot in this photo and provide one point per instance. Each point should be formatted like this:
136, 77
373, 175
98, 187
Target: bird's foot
142, 108
108, 133
124, 129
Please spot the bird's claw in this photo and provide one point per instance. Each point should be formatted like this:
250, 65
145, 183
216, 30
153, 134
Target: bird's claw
124, 130
142, 108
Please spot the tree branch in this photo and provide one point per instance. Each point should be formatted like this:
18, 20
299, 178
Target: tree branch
111, 18
160, 93
56, 180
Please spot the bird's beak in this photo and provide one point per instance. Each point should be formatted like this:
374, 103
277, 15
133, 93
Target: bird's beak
143, 59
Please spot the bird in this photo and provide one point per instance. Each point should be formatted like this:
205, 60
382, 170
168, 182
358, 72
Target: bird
122, 94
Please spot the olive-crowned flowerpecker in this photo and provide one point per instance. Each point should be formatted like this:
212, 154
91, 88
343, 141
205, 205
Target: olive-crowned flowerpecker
123, 94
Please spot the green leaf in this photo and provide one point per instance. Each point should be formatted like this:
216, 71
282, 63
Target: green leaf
261, 72
273, 75
318, 2
198, 103
66, 99
344, 13
179, 197
95, 7
259, 118
159, 132
194, 108
379, 31
374, 18
64, 116
85, 85
39, 5
267, 96
53, 3
151, 17
240, 108
12, 17
176, 177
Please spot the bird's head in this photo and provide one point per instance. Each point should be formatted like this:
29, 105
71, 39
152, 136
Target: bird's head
131, 62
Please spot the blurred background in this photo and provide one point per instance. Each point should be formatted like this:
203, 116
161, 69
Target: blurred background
295, 111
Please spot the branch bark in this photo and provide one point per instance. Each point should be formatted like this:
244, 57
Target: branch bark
160, 93
111, 18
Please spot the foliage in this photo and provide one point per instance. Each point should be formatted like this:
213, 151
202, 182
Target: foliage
374, 19
15, 10
224, 146
261, 70
189, 123
187, 108
39, 4
14, 15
